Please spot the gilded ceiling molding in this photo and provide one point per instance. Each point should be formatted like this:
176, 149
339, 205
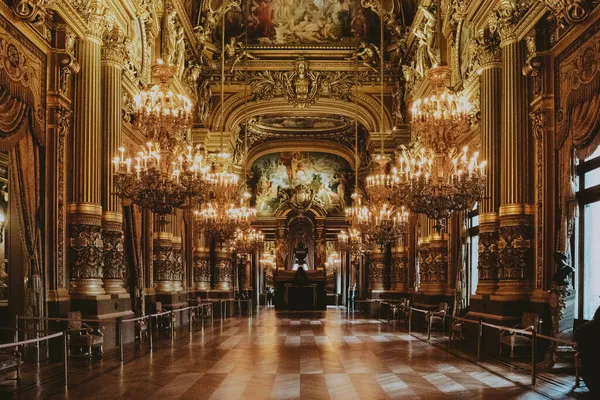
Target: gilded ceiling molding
301, 87
234, 112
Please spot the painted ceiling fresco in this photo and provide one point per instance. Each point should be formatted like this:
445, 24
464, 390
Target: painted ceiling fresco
327, 176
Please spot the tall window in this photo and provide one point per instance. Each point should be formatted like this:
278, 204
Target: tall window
473, 260
587, 278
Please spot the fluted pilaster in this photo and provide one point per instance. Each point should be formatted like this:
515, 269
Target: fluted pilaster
515, 137
113, 58
491, 115
516, 211
85, 210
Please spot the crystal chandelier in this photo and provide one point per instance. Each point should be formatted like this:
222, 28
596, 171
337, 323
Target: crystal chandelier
383, 224
247, 242
166, 172
438, 178
350, 241
223, 184
217, 221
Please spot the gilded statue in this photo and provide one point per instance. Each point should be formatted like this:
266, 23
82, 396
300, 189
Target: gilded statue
169, 37
235, 51
428, 55
204, 95
179, 54
367, 55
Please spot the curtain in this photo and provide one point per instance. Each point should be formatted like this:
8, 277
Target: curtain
15, 119
24, 161
133, 245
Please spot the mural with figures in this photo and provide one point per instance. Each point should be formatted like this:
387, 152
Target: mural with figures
277, 22
279, 177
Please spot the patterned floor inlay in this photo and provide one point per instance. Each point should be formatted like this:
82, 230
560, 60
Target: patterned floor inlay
284, 356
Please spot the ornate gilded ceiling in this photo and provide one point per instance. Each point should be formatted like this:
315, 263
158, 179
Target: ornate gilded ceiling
271, 134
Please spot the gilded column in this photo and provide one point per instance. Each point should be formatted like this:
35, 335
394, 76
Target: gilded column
399, 270
177, 251
85, 209
163, 260
515, 251
377, 270
434, 274
490, 61
223, 270
201, 260
114, 55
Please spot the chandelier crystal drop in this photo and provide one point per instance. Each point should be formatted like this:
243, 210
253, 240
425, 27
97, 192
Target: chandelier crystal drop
379, 184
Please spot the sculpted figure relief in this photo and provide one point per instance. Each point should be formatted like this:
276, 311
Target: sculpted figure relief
428, 55
367, 55
235, 52
169, 37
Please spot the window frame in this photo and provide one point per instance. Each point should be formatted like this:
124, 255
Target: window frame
584, 197
471, 232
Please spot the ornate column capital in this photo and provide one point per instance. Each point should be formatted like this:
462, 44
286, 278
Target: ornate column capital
115, 48
505, 18
95, 15
487, 50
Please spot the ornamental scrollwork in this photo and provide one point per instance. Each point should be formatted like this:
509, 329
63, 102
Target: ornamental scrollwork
201, 269
507, 16
62, 119
569, 12
163, 260
515, 254
32, 11
301, 87
114, 256
488, 257
86, 251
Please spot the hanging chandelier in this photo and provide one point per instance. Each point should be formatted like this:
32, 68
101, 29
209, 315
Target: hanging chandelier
222, 183
167, 173
217, 221
247, 242
438, 178
381, 221
350, 241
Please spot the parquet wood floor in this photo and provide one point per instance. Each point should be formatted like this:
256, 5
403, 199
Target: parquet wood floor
278, 355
